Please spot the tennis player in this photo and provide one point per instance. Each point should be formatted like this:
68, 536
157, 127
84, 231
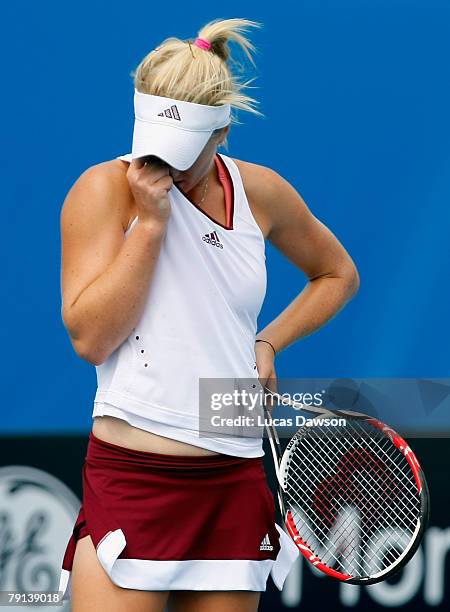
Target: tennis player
163, 277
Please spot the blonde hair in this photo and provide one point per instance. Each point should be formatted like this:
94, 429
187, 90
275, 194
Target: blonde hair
180, 70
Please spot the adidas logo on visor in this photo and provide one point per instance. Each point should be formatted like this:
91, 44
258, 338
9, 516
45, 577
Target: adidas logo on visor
171, 113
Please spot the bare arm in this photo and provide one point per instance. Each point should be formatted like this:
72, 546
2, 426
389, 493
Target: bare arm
105, 278
312, 247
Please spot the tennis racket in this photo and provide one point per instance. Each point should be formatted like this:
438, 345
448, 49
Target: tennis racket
353, 496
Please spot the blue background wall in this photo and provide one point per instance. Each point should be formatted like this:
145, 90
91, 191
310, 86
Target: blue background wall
356, 97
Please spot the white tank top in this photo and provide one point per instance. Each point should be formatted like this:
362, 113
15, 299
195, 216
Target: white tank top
199, 321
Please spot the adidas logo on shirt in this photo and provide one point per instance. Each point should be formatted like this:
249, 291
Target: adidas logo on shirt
171, 112
265, 544
213, 239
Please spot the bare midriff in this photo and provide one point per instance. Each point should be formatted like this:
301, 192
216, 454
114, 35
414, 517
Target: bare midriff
117, 431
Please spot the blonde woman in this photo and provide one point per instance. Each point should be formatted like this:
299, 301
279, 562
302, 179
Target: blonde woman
163, 277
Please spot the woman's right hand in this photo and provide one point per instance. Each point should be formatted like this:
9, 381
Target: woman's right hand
149, 181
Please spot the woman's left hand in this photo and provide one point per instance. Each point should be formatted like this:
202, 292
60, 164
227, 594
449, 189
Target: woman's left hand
265, 362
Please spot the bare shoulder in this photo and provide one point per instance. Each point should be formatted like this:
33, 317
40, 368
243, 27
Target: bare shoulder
291, 227
101, 190
269, 194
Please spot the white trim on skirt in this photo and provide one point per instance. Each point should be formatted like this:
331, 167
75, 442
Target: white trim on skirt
189, 575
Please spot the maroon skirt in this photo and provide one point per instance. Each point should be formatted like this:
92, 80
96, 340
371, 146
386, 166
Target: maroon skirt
168, 522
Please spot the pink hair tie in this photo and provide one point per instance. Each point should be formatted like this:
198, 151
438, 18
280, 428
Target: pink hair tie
202, 43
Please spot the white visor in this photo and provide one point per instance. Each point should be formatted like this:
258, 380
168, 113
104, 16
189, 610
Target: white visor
174, 130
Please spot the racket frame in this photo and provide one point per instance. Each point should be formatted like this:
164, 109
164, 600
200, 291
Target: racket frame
280, 463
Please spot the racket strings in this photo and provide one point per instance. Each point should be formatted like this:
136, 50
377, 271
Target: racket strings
343, 529
365, 490
405, 479
390, 452
345, 533
347, 487
399, 466
331, 554
362, 473
315, 520
333, 551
